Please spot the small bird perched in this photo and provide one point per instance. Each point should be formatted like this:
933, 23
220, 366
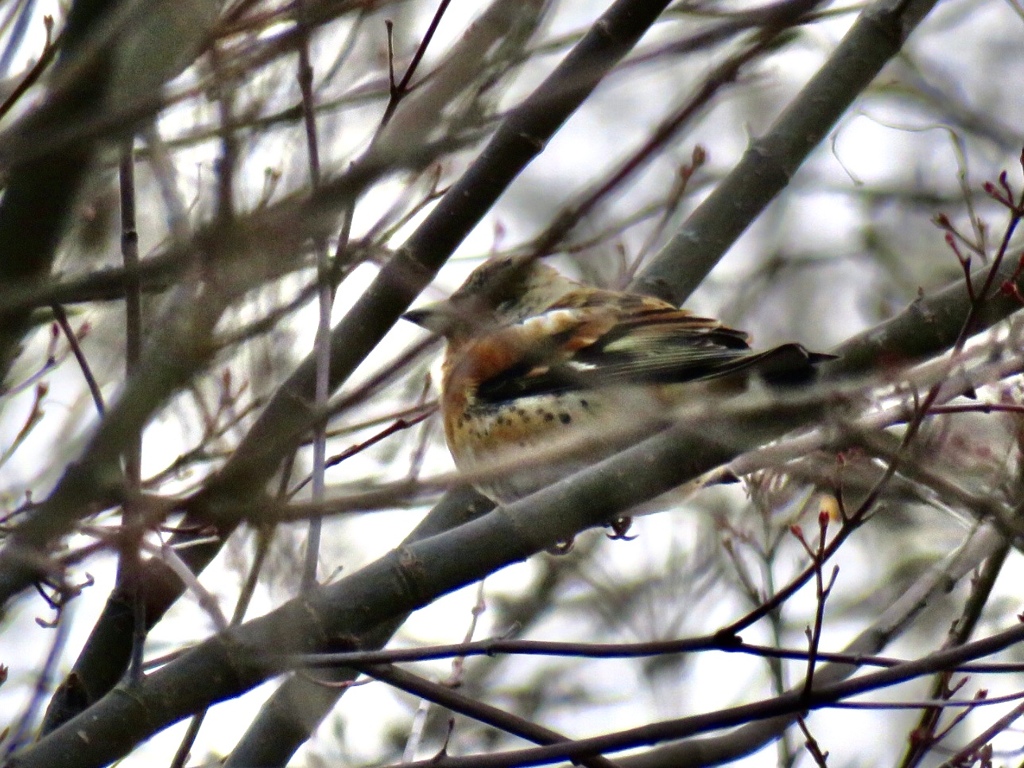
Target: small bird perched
536, 361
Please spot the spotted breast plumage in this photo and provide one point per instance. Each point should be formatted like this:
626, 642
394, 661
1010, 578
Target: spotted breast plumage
539, 365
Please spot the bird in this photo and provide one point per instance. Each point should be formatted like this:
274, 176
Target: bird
541, 373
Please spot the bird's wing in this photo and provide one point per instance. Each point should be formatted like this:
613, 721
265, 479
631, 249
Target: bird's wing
599, 341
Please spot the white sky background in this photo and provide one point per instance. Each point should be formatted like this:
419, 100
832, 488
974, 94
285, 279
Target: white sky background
829, 218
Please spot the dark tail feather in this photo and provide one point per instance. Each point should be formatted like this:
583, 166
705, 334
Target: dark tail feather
787, 365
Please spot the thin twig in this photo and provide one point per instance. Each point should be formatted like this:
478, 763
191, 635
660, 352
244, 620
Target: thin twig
399, 90
325, 294
73, 340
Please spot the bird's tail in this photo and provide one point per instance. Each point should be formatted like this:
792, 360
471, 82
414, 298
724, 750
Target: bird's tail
784, 366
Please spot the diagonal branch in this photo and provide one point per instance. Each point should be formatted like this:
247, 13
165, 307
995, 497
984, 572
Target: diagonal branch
772, 160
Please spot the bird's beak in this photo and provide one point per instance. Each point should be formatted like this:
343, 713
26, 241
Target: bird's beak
438, 317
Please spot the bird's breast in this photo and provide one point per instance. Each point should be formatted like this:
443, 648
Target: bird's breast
527, 443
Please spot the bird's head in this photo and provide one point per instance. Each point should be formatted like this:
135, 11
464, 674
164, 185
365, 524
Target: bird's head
499, 292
